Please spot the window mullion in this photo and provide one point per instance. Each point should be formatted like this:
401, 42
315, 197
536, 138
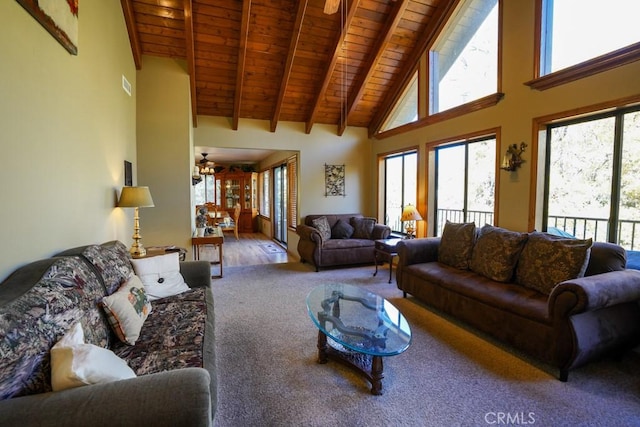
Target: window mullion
616, 179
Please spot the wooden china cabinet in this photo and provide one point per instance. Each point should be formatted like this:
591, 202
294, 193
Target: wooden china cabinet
239, 187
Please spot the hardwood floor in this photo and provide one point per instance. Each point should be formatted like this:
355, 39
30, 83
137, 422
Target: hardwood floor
250, 249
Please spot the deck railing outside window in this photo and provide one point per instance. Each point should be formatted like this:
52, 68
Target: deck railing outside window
628, 232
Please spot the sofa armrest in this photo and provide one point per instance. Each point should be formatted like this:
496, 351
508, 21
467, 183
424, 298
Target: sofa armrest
380, 231
170, 398
593, 292
197, 274
416, 251
306, 232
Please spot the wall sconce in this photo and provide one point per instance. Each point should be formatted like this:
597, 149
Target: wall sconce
513, 158
409, 215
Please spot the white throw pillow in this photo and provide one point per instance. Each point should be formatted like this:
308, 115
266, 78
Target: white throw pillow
160, 275
127, 309
74, 363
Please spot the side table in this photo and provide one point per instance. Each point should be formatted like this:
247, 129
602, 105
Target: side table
215, 239
386, 248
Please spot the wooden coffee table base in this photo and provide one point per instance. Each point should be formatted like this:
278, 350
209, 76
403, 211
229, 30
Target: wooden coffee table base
370, 367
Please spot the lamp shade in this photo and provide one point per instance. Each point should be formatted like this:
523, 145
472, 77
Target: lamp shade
410, 213
135, 197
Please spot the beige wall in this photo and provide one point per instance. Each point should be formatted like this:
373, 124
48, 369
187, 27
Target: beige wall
66, 127
322, 146
165, 151
515, 113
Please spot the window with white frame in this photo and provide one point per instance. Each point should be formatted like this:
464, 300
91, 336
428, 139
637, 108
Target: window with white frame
463, 63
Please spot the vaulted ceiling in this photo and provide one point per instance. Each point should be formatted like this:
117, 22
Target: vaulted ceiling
287, 60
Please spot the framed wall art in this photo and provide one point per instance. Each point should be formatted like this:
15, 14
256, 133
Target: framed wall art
128, 174
58, 17
334, 180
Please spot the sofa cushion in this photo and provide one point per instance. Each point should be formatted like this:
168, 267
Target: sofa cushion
36, 312
547, 260
496, 253
322, 225
342, 230
127, 309
456, 244
362, 227
75, 363
510, 297
160, 275
169, 341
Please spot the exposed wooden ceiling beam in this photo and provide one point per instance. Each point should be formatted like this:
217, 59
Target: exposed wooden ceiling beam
332, 64
242, 53
191, 61
293, 45
132, 29
443, 11
376, 53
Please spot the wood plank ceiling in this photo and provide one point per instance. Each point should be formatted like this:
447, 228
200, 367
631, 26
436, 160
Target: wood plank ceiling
286, 60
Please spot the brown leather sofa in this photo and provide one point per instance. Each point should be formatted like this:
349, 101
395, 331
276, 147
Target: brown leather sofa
579, 320
329, 248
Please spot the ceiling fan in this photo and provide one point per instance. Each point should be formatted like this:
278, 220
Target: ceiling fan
204, 159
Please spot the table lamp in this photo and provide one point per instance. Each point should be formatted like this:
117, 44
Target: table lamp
136, 197
409, 215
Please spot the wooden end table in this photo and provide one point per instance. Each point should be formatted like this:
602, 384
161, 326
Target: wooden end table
215, 239
386, 248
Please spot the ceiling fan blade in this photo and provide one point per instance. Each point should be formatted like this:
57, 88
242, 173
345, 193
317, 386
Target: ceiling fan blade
331, 6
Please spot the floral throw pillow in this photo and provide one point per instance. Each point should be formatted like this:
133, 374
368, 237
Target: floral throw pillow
496, 253
456, 244
547, 260
127, 309
322, 225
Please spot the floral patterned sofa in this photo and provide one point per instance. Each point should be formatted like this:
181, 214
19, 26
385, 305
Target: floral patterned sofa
173, 358
562, 301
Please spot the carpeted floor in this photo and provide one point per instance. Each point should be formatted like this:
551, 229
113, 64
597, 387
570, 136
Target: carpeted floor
268, 375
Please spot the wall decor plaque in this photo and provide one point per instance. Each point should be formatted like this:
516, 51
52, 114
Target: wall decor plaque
334, 177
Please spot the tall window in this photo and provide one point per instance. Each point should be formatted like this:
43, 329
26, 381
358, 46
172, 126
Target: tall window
406, 110
574, 31
400, 173
204, 191
464, 59
465, 183
592, 188
265, 193
292, 186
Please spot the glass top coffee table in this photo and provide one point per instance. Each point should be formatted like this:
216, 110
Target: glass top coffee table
361, 328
